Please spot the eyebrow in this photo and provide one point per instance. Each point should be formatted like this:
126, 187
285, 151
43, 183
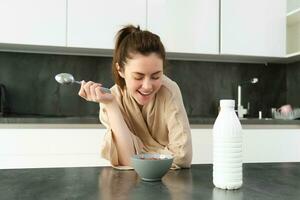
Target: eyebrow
144, 74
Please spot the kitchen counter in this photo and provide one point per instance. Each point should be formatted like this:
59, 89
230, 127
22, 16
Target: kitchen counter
48, 120
266, 181
95, 120
246, 121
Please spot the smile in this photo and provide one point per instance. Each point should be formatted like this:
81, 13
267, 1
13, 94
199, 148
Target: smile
145, 94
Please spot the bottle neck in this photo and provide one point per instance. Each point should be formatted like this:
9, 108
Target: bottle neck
227, 108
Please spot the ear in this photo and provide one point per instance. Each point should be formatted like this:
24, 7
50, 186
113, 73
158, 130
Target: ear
120, 71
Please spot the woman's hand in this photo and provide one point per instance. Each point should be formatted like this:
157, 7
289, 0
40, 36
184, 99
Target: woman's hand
91, 91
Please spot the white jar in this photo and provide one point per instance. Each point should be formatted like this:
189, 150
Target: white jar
227, 148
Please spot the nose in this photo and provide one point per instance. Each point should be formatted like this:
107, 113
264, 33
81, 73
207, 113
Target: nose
147, 86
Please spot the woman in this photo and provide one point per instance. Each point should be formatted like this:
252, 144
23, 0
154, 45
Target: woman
144, 112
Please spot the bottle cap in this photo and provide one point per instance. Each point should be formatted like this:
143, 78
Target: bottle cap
227, 103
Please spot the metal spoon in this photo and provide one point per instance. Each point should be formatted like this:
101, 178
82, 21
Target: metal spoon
65, 78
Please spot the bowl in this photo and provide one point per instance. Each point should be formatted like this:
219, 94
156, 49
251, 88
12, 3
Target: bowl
151, 167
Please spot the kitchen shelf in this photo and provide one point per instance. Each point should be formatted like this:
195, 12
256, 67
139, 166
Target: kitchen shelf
293, 54
293, 33
293, 17
293, 57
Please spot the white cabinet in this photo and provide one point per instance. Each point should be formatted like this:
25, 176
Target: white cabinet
51, 147
94, 23
259, 145
70, 145
253, 28
185, 26
33, 22
195, 29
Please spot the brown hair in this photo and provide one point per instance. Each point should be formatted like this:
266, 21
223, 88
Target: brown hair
131, 40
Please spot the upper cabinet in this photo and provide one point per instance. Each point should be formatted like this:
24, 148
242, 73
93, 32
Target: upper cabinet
253, 28
33, 22
94, 23
196, 29
293, 27
185, 26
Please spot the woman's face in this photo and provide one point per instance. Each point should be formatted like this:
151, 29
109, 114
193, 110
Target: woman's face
143, 76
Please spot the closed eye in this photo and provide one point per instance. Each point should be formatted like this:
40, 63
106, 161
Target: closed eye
156, 77
138, 77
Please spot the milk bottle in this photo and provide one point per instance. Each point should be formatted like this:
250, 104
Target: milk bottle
227, 148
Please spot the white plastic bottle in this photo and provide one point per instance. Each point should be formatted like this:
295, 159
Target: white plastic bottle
227, 148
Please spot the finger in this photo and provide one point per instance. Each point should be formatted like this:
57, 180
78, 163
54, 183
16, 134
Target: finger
87, 90
93, 89
81, 92
98, 93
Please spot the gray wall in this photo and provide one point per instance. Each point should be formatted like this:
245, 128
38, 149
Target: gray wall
32, 90
293, 84
203, 84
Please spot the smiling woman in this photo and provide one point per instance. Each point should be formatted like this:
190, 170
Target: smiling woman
144, 112
142, 82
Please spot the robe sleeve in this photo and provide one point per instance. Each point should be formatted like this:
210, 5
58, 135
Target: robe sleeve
179, 133
108, 148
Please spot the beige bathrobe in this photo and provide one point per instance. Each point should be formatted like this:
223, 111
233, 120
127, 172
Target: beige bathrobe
161, 125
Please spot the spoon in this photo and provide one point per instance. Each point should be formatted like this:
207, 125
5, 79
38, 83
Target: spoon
65, 78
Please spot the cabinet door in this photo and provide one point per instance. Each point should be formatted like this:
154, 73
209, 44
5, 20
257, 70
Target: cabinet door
94, 23
33, 22
255, 28
186, 26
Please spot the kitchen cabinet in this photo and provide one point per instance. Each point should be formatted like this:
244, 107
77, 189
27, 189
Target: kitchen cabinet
213, 30
33, 22
51, 146
185, 26
259, 145
94, 23
71, 145
293, 28
253, 28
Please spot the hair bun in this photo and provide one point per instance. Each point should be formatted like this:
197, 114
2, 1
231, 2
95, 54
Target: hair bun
124, 32
131, 29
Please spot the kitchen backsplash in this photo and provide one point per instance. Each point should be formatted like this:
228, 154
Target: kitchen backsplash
293, 84
32, 90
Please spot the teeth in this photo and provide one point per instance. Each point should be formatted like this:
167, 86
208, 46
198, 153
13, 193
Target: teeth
145, 93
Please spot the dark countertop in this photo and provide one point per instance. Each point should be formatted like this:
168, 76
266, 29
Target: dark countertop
95, 120
201, 120
265, 181
49, 120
